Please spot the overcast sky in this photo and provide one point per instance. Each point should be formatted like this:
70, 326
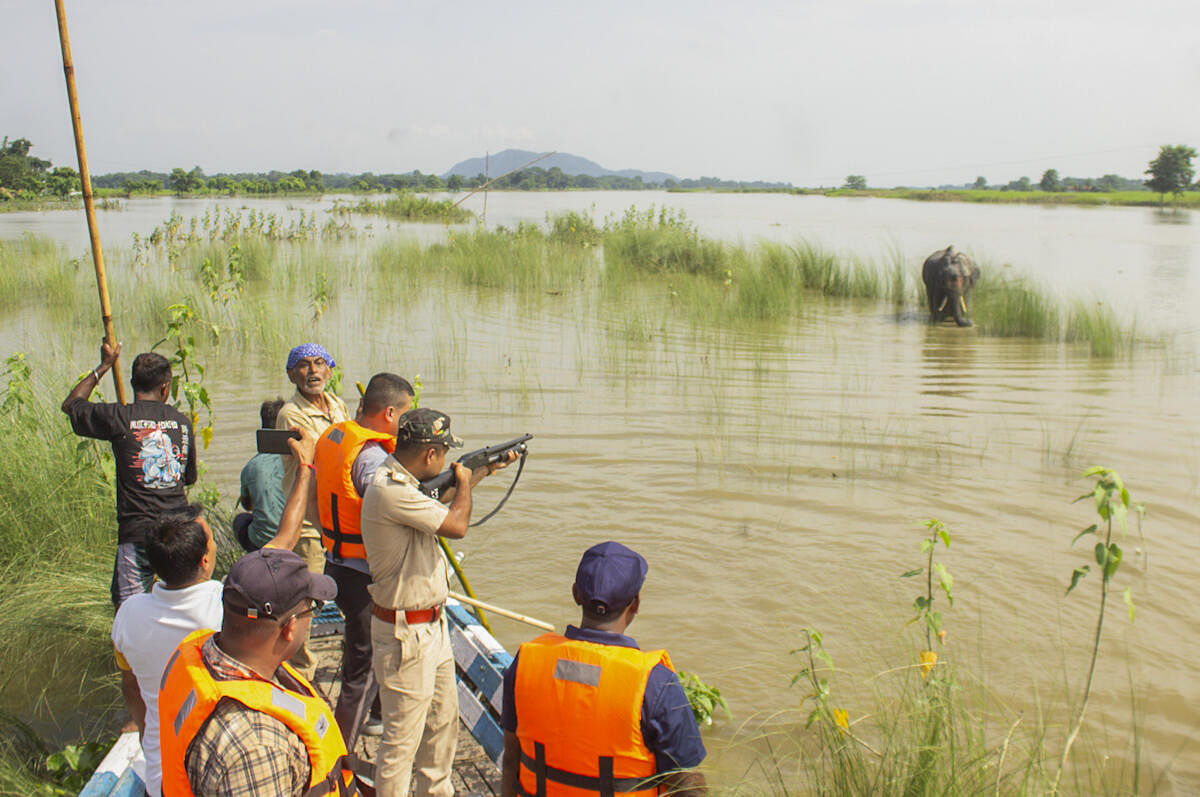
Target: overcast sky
906, 92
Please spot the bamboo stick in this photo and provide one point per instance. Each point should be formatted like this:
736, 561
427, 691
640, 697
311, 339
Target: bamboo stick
520, 618
501, 177
85, 181
462, 579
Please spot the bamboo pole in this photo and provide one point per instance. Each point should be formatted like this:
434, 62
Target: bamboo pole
462, 579
520, 618
89, 206
501, 177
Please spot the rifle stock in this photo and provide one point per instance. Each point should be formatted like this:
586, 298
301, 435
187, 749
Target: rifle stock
471, 460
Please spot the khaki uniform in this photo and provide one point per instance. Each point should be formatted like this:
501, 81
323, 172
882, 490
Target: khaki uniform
413, 663
303, 414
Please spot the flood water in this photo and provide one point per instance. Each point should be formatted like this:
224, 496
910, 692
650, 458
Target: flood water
775, 478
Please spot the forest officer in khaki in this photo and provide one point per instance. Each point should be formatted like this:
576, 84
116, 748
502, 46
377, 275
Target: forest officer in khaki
411, 655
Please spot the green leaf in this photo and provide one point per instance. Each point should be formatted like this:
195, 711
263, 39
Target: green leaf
1076, 575
1094, 470
912, 573
921, 603
1089, 530
1101, 554
934, 621
945, 536
1124, 496
1113, 561
926, 545
823, 656
1128, 595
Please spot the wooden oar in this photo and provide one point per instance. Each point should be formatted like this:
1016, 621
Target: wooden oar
520, 618
85, 181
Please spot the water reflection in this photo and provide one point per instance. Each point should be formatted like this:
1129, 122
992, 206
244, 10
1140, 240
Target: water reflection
947, 358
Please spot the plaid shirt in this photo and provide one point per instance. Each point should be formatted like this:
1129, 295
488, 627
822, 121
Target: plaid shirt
240, 752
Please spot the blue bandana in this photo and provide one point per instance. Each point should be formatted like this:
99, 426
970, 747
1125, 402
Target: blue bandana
308, 350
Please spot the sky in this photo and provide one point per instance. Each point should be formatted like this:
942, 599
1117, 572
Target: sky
904, 92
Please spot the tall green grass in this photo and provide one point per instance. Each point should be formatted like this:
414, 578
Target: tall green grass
409, 207
36, 270
58, 532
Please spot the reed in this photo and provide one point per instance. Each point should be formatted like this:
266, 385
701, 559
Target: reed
36, 270
409, 207
662, 242
58, 529
1015, 307
1095, 324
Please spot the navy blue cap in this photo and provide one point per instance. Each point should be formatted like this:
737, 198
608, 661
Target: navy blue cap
609, 577
271, 581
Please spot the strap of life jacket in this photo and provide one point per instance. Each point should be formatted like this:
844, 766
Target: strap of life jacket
604, 784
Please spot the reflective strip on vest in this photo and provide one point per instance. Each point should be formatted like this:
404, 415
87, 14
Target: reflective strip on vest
189, 703
577, 671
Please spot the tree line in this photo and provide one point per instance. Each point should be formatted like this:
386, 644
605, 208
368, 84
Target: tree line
1171, 172
24, 175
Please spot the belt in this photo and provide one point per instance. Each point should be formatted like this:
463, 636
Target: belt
419, 616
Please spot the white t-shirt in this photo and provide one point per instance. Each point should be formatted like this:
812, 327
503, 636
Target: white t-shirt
145, 633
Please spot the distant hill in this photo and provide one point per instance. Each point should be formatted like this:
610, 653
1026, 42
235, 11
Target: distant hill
510, 159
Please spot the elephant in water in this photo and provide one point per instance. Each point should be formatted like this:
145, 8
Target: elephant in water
949, 277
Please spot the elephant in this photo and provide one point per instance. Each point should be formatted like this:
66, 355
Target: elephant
949, 277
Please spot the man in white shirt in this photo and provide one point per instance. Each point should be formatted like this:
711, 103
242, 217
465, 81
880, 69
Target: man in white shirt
148, 627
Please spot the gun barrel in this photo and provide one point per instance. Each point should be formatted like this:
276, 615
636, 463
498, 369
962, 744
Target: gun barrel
489, 455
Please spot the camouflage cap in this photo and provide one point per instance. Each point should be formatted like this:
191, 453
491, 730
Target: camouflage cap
424, 425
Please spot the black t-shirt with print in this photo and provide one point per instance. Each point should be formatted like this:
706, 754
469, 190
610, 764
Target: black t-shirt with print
155, 454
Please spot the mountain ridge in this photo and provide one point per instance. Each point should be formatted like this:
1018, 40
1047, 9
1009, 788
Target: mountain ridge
510, 159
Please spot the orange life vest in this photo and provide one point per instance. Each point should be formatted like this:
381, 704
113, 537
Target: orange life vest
339, 503
579, 718
188, 694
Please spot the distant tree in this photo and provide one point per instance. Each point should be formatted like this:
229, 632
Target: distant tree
1022, 184
556, 180
290, 185
1049, 181
178, 180
62, 181
455, 182
980, 183
195, 179
20, 171
856, 182
1171, 172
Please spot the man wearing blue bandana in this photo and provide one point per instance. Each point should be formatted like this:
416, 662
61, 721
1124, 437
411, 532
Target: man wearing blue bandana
311, 409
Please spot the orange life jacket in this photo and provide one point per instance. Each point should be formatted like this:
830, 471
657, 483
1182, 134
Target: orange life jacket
339, 503
188, 694
579, 718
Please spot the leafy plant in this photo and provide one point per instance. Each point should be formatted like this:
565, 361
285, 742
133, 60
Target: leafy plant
703, 698
72, 767
1112, 502
923, 604
187, 374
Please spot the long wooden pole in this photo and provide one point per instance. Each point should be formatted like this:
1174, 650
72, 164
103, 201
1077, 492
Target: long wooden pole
89, 206
520, 618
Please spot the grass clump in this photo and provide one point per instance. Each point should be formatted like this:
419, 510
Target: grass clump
1096, 325
662, 242
409, 207
1015, 307
36, 269
58, 531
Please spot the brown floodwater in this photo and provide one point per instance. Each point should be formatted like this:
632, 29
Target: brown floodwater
776, 477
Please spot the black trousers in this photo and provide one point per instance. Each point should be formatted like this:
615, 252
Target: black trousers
359, 688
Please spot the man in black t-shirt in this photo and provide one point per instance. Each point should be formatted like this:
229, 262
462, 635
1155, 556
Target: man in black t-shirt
155, 453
